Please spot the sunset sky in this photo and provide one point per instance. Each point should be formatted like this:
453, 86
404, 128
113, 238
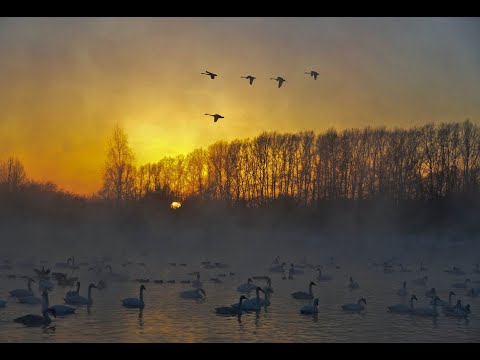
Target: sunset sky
66, 82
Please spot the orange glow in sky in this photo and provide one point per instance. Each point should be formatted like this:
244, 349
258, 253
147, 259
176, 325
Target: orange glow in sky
67, 82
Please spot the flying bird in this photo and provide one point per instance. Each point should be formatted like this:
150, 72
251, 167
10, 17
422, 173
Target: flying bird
212, 75
313, 73
280, 80
250, 78
215, 117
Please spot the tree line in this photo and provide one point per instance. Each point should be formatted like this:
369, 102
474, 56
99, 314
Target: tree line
433, 161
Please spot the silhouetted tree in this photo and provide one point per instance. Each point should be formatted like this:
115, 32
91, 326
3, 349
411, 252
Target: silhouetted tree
119, 171
12, 174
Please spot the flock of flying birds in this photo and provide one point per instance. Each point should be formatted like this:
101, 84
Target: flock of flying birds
251, 78
73, 299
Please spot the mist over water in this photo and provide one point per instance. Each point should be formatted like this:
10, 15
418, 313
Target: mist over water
248, 241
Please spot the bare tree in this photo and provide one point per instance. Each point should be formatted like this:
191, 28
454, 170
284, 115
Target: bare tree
12, 174
119, 171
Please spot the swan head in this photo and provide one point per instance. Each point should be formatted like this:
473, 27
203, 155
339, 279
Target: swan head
351, 279
31, 280
451, 293
243, 297
362, 300
249, 281
78, 283
404, 284
50, 311
467, 308
413, 297
92, 285
202, 291
312, 283
260, 289
436, 299
142, 287
315, 302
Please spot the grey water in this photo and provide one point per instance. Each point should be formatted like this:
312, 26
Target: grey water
168, 318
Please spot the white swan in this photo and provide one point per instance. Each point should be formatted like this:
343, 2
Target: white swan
74, 292
230, 310
23, 292
444, 303
458, 310
310, 309
302, 295
464, 285
32, 300
134, 302
80, 300
195, 294
427, 310
37, 320
403, 290
268, 288
60, 309
322, 277
431, 293
402, 308
353, 284
355, 307
291, 272
252, 304
247, 287
197, 283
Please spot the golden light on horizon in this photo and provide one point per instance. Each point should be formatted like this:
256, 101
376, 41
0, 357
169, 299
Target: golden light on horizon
373, 72
175, 205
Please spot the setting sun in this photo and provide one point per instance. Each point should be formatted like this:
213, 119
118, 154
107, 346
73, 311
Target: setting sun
175, 205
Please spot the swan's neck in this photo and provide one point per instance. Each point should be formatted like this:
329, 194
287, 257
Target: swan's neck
46, 302
141, 295
78, 288
411, 303
450, 299
46, 316
258, 296
310, 289
89, 294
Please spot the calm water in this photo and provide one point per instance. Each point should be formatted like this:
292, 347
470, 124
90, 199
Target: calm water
167, 318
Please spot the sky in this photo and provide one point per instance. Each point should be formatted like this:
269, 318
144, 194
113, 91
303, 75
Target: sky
66, 82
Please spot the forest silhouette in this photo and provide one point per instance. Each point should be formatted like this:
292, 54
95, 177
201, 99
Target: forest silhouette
412, 180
